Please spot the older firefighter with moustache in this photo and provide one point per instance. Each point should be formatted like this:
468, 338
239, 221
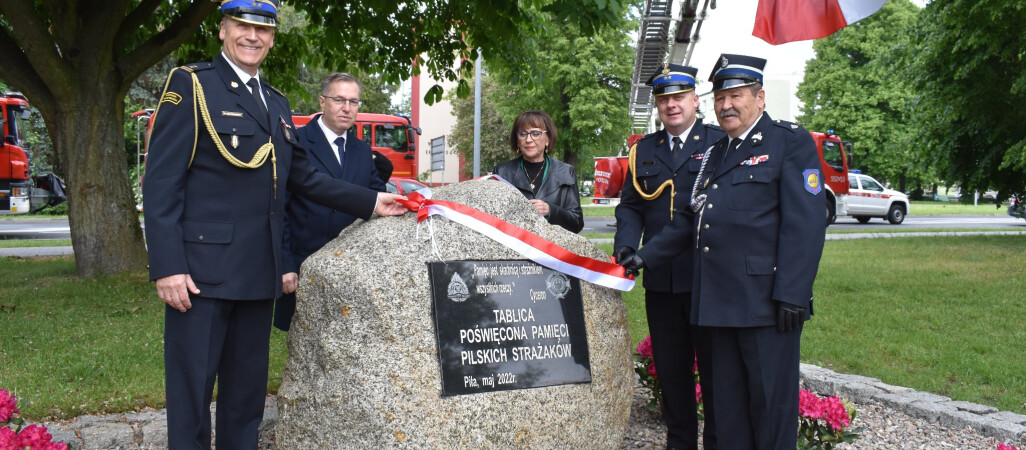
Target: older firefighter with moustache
758, 236
222, 152
662, 169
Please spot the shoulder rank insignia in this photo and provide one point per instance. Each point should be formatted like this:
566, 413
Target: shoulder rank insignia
171, 97
794, 126
812, 181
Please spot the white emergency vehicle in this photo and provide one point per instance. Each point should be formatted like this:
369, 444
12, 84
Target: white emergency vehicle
867, 198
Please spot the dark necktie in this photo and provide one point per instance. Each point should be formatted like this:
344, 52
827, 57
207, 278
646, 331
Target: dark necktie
340, 142
254, 88
678, 151
731, 147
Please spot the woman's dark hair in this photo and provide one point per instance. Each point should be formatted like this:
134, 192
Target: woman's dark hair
528, 119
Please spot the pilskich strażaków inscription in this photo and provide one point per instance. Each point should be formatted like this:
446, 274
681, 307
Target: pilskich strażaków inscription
503, 325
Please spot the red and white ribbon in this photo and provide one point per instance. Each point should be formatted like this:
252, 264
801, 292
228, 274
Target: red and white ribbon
526, 243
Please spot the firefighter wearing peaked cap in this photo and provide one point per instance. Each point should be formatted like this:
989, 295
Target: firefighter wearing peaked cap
656, 191
758, 237
222, 151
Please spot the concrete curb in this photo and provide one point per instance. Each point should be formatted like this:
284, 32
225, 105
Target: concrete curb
986, 420
148, 430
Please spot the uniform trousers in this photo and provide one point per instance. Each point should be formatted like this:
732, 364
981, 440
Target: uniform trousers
226, 341
756, 391
674, 348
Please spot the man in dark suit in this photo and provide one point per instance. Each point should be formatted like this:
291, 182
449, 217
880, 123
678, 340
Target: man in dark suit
758, 234
335, 150
661, 173
222, 152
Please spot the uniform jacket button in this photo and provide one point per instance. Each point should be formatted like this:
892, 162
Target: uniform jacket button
705, 249
710, 206
716, 186
201, 237
750, 177
706, 226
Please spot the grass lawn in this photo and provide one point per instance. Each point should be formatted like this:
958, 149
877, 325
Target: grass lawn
923, 208
936, 314
15, 243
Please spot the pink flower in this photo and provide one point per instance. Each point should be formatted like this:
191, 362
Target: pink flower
695, 367
8, 405
652, 370
1003, 446
809, 405
698, 393
645, 347
8, 440
34, 437
836, 415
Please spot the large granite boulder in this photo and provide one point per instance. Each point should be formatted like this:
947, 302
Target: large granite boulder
363, 368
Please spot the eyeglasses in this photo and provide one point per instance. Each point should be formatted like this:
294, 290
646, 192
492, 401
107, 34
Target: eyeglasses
522, 134
339, 101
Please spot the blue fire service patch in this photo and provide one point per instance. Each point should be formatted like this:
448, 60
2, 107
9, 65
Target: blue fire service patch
812, 181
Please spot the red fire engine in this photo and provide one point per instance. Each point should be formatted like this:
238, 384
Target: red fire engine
22, 192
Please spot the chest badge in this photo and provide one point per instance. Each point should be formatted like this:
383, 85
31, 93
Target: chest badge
235, 141
755, 160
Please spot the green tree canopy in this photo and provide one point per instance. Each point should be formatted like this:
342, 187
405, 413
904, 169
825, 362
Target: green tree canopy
969, 79
583, 84
854, 87
76, 61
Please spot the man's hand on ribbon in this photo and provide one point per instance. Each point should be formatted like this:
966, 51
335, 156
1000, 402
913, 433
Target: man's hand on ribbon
620, 254
632, 264
388, 206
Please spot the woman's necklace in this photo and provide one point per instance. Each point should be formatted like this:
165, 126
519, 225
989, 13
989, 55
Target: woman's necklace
540, 171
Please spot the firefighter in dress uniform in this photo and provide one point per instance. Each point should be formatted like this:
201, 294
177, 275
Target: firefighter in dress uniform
661, 171
757, 236
223, 150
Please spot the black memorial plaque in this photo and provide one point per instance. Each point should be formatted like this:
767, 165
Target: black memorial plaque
504, 325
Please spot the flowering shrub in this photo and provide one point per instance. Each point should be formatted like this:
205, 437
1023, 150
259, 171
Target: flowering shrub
13, 434
824, 421
644, 366
1004, 446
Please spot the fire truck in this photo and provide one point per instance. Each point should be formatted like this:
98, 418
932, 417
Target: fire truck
611, 173
21, 191
392, 136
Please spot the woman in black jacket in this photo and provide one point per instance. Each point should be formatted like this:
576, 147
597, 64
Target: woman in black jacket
549, 184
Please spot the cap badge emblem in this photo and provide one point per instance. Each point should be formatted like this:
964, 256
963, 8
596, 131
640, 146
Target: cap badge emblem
723, 62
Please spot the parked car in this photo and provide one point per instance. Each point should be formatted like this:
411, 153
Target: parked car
403, 186
868, 198
1017, 208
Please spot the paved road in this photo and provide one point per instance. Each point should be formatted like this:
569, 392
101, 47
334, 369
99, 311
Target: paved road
996, 221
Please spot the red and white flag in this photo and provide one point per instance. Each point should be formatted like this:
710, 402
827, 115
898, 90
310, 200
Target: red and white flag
781, 21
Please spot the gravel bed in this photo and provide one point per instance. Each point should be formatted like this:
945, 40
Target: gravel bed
882, 428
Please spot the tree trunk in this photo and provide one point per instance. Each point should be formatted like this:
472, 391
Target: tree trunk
105, 231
